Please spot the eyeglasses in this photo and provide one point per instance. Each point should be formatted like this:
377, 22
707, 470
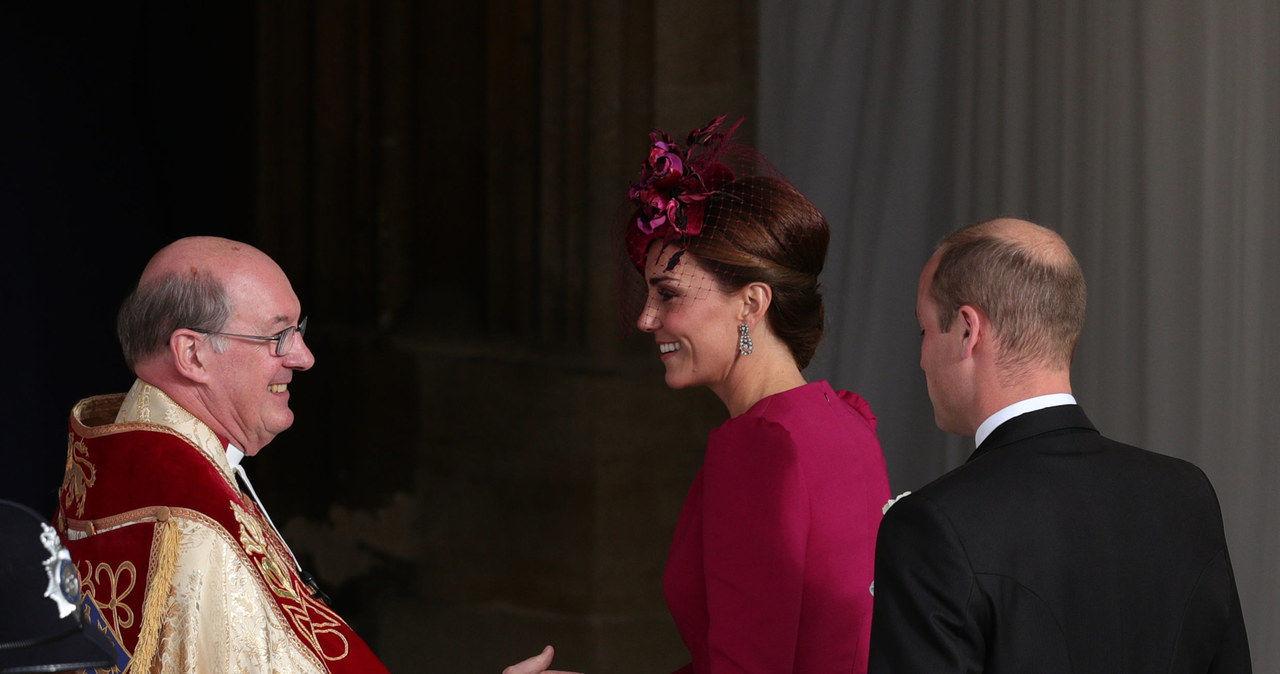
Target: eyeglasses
283, 339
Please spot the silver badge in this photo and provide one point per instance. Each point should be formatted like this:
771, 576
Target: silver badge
64, 584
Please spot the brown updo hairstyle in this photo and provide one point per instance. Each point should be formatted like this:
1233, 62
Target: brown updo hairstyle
762, 229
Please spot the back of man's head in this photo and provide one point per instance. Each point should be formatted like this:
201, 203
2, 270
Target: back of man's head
1024, 278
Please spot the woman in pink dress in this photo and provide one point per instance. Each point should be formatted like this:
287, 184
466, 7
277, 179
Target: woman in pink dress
770, 567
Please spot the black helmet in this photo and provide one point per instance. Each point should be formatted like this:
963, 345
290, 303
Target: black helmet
42, 628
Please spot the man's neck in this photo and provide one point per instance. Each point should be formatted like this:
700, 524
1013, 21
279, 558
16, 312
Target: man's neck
996, 391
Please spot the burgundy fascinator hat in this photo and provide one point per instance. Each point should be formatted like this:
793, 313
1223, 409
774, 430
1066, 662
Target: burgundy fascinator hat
677, 183
712, 215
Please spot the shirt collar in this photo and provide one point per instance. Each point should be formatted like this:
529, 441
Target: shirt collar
1021, 407
233, 456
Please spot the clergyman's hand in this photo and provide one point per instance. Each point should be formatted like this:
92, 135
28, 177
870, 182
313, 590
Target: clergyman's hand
538, 664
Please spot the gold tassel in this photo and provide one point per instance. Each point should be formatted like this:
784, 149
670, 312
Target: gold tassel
164, 561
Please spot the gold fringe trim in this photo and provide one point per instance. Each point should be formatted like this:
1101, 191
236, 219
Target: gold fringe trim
164, 561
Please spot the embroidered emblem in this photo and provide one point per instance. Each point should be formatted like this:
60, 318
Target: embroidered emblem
80, 474
315, 622
254, 542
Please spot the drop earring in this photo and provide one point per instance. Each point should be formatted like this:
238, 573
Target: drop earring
744, 339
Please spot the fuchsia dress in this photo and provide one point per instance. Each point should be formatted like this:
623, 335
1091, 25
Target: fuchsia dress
771, 563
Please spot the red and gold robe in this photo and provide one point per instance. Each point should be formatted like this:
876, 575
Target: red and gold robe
184, 571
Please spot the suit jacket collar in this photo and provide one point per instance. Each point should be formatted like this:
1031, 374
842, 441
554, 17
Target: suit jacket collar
1031, 424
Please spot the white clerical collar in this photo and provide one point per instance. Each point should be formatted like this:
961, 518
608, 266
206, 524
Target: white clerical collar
1021, 407
233, 456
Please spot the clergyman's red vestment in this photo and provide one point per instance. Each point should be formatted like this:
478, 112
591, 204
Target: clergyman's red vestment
184, 571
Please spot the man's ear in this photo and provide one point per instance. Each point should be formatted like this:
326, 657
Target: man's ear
756, 298
189, 349
974, 325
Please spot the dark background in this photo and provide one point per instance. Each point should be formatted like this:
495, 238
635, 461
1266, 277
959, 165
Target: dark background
482, 463
125, 126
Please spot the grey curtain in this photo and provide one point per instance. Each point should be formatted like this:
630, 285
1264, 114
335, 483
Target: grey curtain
1144, 131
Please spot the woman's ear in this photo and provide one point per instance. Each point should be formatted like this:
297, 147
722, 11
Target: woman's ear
756, 298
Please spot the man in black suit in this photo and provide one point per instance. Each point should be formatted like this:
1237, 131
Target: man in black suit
1053, 548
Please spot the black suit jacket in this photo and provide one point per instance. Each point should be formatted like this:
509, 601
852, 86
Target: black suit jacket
1054, 549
